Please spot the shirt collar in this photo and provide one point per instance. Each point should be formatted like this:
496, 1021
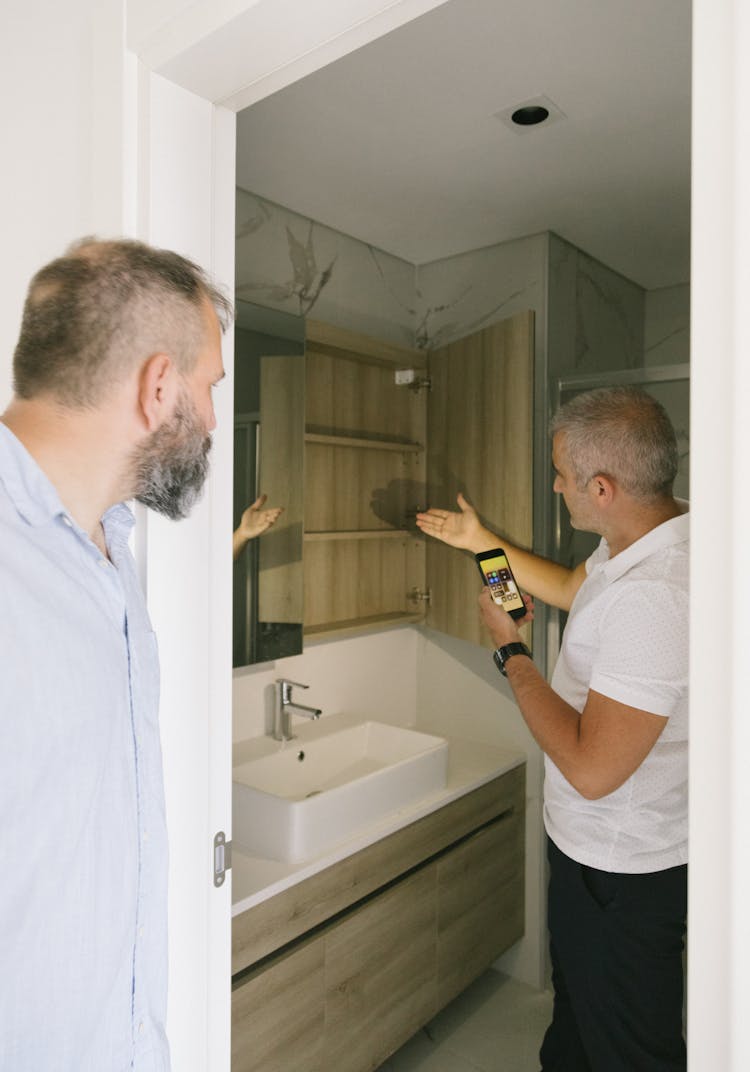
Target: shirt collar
668, 534
35, 497
31, 491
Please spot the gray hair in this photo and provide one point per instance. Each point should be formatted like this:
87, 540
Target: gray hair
623, 433
92, 315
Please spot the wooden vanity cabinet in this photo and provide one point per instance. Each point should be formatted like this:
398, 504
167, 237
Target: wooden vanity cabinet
353, 961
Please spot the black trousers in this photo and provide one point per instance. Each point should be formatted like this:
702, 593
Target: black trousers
616, 942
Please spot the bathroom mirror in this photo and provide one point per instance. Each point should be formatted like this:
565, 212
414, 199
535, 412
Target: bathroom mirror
269, 430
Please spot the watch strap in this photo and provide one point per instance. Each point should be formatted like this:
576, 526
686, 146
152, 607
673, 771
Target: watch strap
507, 651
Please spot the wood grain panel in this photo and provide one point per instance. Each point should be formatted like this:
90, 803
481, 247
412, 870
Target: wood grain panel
347, 580
270, 925
359, 399
359, 481
480, 431
278, 1014
349, 487
381, 975
480, 903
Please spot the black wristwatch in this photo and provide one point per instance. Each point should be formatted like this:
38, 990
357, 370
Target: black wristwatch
501, 655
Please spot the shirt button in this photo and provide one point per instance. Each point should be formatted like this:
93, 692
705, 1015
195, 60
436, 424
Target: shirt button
103, 562
140, 1027
67, 521
140, 932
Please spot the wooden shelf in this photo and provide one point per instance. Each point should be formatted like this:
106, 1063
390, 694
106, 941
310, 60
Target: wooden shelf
359, 534
366, 444
358, 625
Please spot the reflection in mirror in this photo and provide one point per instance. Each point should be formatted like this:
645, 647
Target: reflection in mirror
670, 385
269, 429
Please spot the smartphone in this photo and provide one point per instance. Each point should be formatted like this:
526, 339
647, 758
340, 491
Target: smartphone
497, 575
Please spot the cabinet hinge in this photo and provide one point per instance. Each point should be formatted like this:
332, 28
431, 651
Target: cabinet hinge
222, 858
408, 378
416, 595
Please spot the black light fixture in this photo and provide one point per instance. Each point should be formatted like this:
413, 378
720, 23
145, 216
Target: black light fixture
525, 115
530, 115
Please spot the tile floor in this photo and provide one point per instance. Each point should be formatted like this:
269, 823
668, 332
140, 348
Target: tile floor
496, 1025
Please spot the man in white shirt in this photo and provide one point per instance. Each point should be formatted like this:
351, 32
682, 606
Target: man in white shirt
613, 727
119, 349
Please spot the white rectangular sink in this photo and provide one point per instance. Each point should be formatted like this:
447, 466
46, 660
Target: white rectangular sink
309, 795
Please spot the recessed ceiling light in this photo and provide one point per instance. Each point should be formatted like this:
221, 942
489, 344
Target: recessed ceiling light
530, 115
527, 115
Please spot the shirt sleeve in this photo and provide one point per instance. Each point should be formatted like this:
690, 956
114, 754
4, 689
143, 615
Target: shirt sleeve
642, 660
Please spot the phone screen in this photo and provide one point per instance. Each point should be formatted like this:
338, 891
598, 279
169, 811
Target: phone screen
501, 582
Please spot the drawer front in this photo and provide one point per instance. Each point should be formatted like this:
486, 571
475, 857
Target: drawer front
380, 974
278, 1014
480, 903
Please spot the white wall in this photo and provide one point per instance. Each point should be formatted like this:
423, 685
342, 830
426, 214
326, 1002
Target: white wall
48, 80
371, 676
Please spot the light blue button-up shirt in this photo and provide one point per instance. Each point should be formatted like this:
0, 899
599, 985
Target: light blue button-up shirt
83, 851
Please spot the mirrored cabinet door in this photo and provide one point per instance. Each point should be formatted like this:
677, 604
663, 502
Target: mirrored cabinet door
269, 415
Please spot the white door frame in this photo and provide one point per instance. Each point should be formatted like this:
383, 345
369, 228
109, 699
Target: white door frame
193, 52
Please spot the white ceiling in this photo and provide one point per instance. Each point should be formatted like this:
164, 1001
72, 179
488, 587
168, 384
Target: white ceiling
397, 144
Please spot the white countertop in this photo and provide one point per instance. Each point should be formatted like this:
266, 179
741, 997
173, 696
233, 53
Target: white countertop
470, 764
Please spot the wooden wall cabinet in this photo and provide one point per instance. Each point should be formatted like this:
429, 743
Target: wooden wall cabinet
377, 452
339, 971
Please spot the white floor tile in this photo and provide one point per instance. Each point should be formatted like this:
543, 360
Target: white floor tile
495, 1025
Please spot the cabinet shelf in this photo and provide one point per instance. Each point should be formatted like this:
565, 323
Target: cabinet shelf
398, 446
358, 534
358, 625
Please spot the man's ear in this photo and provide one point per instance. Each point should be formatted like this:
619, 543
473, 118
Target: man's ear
157, 390
603, 488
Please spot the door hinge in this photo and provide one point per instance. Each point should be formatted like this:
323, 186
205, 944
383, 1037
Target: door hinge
222, 858
416, 595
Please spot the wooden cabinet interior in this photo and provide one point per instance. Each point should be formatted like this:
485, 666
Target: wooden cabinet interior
339, 971
364, 481
376, 452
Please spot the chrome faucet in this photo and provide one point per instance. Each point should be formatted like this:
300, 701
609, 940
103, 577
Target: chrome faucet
286, 707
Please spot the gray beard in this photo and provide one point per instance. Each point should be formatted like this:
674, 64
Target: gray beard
172, 465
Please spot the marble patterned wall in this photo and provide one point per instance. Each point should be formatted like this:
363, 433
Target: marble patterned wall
595, 315
667, 331
287, 262
462, 294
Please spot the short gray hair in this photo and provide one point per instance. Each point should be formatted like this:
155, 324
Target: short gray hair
623, 433
93, 314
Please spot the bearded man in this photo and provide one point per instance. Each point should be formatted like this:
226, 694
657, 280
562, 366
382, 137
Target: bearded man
119, 350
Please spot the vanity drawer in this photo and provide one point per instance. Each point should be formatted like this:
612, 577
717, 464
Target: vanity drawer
480, 903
